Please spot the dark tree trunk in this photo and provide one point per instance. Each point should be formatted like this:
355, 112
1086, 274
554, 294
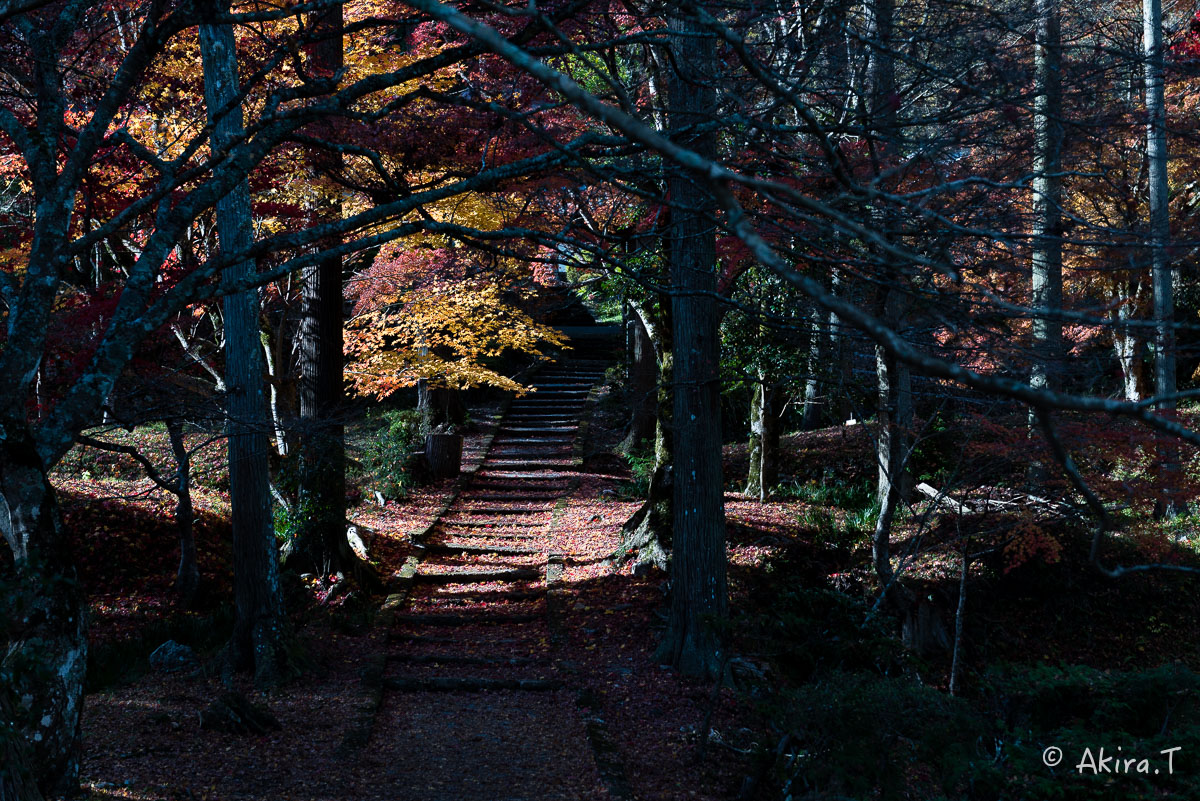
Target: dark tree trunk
640, 390
260, 636
440, 407
698, 561
894, 411
647, 534
187, 577
444, 452
42, 673
320, 543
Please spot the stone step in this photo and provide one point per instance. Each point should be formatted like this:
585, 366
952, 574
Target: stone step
562, 386
499, 550
502, 510
531, 429
480, 576
543, 420
514, 496
500, 535
509, 487
444, 523
528, 464
417, 619
485, 473
505, 596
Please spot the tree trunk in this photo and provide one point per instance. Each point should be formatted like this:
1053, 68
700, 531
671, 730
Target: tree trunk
1046, 261
439, 406
818, 347
1047, 199
894, 411
42, 673
1168, 503
444, 452
187, 577
320, 540
1128, 345
698, 561
647, 534
891, 453
641, 387
260, 633
764, 438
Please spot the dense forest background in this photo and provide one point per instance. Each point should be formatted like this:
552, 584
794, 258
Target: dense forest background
898, 299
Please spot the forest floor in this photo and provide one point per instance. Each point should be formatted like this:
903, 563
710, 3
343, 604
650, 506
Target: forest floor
619, 725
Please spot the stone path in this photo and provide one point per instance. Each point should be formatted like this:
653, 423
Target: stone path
475, 706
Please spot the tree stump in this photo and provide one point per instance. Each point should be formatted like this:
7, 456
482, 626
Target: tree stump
444, 453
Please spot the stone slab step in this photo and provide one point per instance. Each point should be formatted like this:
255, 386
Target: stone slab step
499, 550
479, 535
416, 619
502, 510
527, 465
479, 576
532, 429
444, 524
500, 597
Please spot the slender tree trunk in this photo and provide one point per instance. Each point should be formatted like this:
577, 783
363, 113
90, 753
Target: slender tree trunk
819, 346
764, 438
274, 380
187, 577
892, 454
698, 562
42, 672
1128, 345
893, 382
648, 532
641, 387
260, 628
1047, 199
1168, 503
320, 543
1046, 202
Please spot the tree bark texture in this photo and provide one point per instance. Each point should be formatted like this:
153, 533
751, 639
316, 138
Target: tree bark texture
320, 539
698, 562
893, 382
1168, 504
642, 385
763, 444
1047, 199
42, 673
260, 627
